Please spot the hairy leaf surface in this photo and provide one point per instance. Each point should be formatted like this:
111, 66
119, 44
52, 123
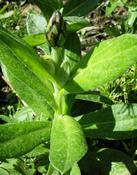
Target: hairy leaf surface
68, 144
108, 61
26, 83
14, 138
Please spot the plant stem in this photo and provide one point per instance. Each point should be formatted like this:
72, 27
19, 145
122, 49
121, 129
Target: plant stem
57, 55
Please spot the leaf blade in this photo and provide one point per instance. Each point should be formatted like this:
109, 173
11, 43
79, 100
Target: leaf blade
14, 137
26, 55
65, 136
108, 61
26, 84
115, 122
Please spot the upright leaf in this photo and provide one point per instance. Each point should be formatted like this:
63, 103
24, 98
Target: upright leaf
79, 7
26, 83
14, 137
115, 122
68, 144
26, 54
108, 61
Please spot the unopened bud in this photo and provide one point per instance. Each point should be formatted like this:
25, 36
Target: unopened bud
56, 29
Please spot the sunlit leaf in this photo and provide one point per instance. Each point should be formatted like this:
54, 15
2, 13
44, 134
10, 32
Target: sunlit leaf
68, 144
26, 83
108, 61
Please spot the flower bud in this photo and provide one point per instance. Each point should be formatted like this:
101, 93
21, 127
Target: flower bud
55, 32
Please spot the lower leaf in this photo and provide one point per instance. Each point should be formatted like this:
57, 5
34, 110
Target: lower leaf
114, 122
68, 144
20, 138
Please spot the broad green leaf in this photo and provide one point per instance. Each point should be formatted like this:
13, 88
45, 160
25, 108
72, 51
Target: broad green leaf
14, 138
114, 162
68, 144
108, 61
36, 39
26, 83
48, 6
35, 23
27, 56
114, 122
79, 7
75, 23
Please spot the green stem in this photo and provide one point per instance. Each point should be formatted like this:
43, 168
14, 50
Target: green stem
57, 55
63, 100
60, 101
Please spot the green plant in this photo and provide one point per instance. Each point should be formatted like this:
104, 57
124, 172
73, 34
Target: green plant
52, 85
